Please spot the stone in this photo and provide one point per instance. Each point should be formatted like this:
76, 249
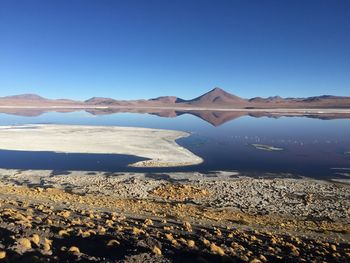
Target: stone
216, 249
112, 243
191, 243
35, 239
74, 250
25, 243
156, 250
2, 254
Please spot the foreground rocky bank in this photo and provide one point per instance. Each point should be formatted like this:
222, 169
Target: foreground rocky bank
176, 217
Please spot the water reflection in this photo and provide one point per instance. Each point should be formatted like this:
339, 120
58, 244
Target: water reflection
215, 118
313, 145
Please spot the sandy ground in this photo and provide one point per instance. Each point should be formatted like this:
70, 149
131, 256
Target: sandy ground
173, 217
157, 145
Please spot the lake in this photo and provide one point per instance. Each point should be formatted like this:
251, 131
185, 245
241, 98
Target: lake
303, 146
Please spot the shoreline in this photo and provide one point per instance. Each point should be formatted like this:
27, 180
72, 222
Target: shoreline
268, 110
304, 199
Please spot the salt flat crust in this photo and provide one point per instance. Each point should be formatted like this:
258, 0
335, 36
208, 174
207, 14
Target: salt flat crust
159, 146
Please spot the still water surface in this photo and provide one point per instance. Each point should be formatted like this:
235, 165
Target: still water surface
311, 147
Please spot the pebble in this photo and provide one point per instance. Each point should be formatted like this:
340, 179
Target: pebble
63, 233
25, 243
156, 250
36, 239
333, 247
74, 250
191, 243
112, 243
216, 249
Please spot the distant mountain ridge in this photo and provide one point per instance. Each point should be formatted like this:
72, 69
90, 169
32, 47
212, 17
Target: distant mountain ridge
25, 97
217, 98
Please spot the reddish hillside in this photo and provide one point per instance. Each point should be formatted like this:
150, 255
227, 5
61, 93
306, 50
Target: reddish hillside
166, 99
35, 100
216, 97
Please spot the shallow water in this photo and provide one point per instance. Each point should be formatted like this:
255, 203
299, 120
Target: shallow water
311, 147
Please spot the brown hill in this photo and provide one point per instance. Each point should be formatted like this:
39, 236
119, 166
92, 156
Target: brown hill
29, 97
325, 101
35, 100
166, 99
216, 97
100, 101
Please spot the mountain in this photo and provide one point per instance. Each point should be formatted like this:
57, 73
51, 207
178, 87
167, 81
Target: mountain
100, 101
269, 99
324, 101
33, 100
166, 99
217, 97
33, 97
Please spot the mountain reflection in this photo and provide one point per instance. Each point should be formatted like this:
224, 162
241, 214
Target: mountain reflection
214, 117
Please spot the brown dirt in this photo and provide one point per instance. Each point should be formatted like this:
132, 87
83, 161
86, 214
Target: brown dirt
90, 228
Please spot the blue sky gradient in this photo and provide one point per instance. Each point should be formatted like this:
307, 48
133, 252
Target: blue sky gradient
142, 49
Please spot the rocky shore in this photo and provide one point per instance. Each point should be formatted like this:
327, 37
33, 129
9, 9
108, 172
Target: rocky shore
177, 217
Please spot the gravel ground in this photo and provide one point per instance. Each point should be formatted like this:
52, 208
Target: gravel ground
63, 216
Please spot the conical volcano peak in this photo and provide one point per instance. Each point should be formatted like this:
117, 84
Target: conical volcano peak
217, 90
217, 96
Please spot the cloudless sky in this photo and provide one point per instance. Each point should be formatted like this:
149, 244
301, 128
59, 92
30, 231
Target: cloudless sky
143, 48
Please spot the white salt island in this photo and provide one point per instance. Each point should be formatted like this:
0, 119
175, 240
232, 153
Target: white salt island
158, 146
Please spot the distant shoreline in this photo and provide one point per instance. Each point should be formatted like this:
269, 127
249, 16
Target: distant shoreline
270, 110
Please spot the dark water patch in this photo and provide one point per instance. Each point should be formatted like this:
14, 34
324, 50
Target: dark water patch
60, 172
62, 163
166, 177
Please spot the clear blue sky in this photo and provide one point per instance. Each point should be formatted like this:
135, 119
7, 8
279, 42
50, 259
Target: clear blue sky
142, 49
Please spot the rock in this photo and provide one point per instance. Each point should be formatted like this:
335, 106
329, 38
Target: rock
218, 232
169, 236
206, 242
63, 233
74, 250
137, 231
36, 239
333, 247
112, 243
47, 244
263, 258
101, 229
25, 243
65, 214
216, 249
2, 254
187, 226
156, 250
191, 243
244, 258
148, 222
